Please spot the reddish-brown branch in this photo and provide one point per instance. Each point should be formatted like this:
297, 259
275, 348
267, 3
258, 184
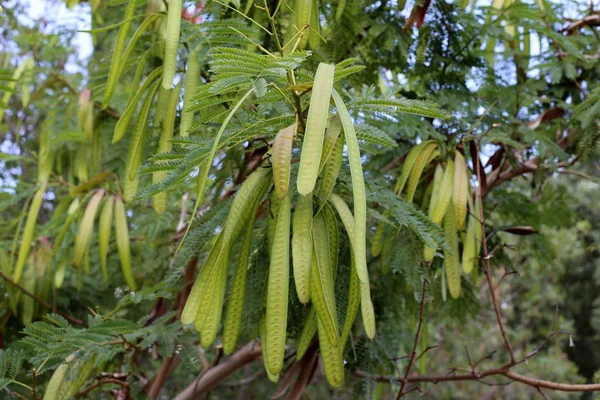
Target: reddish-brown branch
103, 381
43, 302
477, 376
247, 354
413, 353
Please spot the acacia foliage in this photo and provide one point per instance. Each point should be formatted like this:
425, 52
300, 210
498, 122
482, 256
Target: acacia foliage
518, 80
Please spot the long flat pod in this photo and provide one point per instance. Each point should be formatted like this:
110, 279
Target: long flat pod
368, 314
123, 122
451, 259
303, 12
28, 232
210, 327
122, 236
192, 79
159, 200
115, 64
358, 190
240, 212
444, 197
171, 42
265, 348
308, 332
138, 141
331, 169
417, 170
332, 358
315, 128
460, 190
278, 288
302, 246
193, 302
235, 306
352, 306
322, 289
281, 157
86, 227
104, 228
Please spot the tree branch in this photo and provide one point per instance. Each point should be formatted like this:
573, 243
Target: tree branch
416, 342
247, 354
43, 302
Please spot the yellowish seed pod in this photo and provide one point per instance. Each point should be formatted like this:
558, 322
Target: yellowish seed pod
278, 289
281, 157
86, 227
460, 190
332, 358
122, 236
308, 332
322, 287
451, 259
104, 228
315, 127
302, 246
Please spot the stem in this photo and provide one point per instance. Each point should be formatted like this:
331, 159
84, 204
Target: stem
416, 343
47, 305
486, 267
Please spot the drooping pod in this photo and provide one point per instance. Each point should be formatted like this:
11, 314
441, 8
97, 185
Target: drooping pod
278, 288
235, 306
358, 190
444, 196
115, 64
159, 200
308, 332
192, 80
417, 170
265, 348
451, 259
429, 252
86, 227
315, 128
322, 287
352, 306
332, 358
122, 236
302, 246
104, 228
460, 190
368, 314
240, 213
28, 232
331, 169
303, 12
210, 327
171, 42
281, 155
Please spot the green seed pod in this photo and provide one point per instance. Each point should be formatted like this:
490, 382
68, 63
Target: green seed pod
315, 127
322, 285
302, 246
278, 289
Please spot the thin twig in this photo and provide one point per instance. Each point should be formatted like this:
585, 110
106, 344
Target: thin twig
416, 342
42, 301
103, 381
486, 267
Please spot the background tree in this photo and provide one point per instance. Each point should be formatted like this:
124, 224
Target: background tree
107, 221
